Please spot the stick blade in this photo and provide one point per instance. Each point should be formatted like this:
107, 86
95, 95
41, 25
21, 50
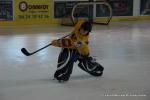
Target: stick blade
25, 52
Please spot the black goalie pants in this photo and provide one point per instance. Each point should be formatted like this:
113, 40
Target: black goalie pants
66, 60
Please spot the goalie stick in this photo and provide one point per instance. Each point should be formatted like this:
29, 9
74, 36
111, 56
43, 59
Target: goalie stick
25, 51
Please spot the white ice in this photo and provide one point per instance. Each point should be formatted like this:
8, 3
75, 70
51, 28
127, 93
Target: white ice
123, 48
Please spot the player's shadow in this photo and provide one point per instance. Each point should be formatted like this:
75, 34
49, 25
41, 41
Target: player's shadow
81, 77
45, 81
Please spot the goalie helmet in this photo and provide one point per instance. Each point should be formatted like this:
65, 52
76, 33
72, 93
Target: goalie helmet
87, 26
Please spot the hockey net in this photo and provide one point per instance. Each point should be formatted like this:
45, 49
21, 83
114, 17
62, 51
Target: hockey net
96, 12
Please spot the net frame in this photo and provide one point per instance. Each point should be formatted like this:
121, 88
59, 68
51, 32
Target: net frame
74, 20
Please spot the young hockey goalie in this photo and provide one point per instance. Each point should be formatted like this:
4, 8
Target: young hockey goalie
75, 48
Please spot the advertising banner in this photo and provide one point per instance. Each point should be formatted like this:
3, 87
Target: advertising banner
6, 10
122, 7
64, 9
32, 9
145, 7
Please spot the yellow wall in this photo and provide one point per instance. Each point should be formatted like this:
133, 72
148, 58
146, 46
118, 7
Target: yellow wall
130, 18
49, 12
28, 16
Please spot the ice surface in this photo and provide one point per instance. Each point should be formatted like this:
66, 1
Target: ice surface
122, 48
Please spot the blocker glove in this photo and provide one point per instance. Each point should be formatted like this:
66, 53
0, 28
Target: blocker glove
66, 43
55, 43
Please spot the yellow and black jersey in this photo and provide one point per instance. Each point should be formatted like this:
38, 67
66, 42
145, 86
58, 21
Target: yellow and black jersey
74, 38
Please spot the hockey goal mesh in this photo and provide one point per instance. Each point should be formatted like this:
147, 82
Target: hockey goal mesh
96, 12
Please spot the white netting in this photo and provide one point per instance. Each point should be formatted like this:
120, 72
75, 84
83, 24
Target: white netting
84, 10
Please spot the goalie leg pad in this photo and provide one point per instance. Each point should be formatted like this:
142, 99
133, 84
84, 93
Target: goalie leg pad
92, 67
65, 64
